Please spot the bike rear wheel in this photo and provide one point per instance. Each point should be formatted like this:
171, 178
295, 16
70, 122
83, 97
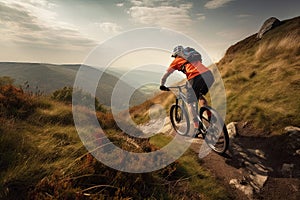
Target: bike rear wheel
179, 119
215, 132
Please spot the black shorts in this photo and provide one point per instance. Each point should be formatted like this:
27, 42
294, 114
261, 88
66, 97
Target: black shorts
199, 86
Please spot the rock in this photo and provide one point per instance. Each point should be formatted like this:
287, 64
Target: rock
245, 124
297, 152
232, 130
167, 129
243, 186
268, 25
257, 152
259, 180
287, 169
153, 127
132, 142
293, 139
260, 153
262, 169
292, 130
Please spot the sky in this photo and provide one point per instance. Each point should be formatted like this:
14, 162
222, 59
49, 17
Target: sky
66, 31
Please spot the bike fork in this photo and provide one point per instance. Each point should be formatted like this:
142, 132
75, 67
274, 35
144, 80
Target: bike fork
177, 117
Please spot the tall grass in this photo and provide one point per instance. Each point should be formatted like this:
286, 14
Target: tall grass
42, 157
191, 179
262, 79
276, 48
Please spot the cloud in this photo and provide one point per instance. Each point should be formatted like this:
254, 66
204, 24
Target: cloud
171, 14
137, 3
32, 23
214, 4
109, 27
120, 4
154, 3
200, 16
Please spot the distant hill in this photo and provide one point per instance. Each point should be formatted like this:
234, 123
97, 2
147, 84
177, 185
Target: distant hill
262, 79
147, 74
46, 78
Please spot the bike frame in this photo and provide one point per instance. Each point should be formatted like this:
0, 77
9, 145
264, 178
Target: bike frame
215, 122
181, 96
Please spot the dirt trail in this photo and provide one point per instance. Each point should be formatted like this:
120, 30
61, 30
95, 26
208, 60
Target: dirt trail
259, 167
255, 167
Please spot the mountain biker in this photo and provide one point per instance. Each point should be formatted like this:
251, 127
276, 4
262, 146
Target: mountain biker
199, 77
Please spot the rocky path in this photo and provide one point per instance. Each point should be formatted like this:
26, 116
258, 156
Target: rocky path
255, 167
259, 167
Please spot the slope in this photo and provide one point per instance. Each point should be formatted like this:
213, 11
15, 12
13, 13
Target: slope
261, 77
262, 80
42, 157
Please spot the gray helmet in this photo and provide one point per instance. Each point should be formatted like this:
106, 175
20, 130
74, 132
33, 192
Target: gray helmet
178, 51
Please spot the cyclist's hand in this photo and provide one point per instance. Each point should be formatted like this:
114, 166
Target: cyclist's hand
164, 88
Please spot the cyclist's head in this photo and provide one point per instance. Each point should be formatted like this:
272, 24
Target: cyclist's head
177, 51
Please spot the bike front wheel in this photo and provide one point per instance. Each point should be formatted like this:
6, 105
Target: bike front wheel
214, 130
179, 119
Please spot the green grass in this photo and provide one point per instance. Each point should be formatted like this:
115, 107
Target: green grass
190, 177
261, 78
42, 157
32, 152
160, 140
199, 179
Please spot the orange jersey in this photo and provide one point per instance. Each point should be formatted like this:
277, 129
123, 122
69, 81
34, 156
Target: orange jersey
191, 69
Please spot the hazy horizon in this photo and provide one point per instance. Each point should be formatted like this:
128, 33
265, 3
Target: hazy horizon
65, 32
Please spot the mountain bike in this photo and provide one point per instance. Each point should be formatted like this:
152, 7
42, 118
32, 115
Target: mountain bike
211, 124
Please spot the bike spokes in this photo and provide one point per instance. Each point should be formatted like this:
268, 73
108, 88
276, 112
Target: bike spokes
215, 132
179, 119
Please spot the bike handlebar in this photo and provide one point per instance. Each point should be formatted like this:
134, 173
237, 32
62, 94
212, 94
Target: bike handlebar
179, 86
164, 88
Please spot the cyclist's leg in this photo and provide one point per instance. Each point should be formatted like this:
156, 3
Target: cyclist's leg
192, 99
192, 102
193, 108
204, 84
203, 102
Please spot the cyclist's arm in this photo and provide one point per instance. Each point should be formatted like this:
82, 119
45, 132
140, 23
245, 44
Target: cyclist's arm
166, 75
175, 65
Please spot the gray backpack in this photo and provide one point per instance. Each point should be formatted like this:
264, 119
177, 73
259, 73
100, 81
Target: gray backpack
191, 55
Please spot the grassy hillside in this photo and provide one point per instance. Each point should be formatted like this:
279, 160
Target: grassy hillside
42, 157
46, 78
262, 79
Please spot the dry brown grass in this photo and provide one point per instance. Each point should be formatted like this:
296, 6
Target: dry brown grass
276, 48
43, 158
262, 80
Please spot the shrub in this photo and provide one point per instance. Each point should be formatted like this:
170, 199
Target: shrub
5, 80
14, 102
66, 93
